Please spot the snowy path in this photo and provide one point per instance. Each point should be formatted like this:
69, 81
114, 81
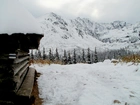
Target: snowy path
95, 84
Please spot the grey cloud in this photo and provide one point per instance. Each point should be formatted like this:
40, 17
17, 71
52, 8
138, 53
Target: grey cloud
97, 10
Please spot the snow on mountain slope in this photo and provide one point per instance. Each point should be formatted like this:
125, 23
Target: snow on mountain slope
82, 33
127, 37
67, 34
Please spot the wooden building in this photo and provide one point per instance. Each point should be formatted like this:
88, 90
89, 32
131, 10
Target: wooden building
19, 32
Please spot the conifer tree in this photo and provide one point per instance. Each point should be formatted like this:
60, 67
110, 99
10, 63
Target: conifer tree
44, 56
65, 57
83, 56
92, 57
50, 55
36, 54
79, 59
56, 55
69, 58
39, 54
95, 56
88, 57
31, 54
74, 57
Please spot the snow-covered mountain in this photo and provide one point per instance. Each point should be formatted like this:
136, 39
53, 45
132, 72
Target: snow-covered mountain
82, 33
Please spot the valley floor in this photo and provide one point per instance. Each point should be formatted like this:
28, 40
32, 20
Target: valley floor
102, 83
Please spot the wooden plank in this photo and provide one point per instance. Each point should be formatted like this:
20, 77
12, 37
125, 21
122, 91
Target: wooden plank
20, 73
20, 80
27, 85
17, 67
22, 70
8, 56
12, 56
21, 53
18, 60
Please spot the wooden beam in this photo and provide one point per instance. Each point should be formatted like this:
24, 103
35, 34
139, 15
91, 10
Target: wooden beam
21, 53
27, 85
18, 60
20, 80
19, 66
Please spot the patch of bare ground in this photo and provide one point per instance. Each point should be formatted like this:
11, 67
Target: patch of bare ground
35, 93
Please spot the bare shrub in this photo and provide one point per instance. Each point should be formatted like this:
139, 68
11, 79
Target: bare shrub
41, 61
115, 61
117, 102
131, 58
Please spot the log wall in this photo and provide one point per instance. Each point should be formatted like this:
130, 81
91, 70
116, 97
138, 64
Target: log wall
13, 69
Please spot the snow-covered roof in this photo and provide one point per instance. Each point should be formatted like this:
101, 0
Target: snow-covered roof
14, 18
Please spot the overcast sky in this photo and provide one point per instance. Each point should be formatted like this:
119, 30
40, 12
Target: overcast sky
96, 10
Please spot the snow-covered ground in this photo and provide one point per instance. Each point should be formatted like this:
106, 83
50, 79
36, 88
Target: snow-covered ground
89, 84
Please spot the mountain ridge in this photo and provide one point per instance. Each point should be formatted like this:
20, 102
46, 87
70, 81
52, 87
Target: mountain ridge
83, 33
